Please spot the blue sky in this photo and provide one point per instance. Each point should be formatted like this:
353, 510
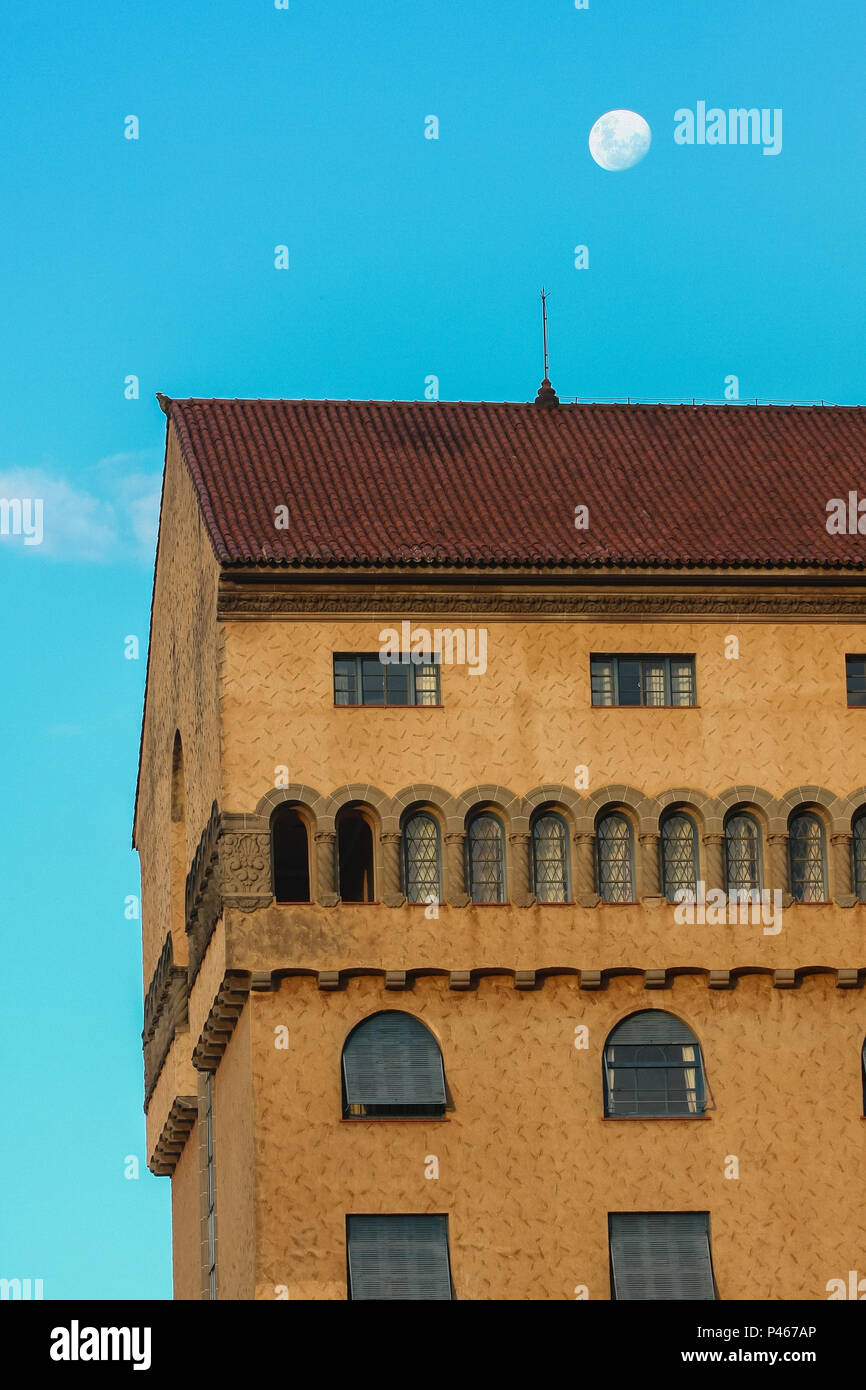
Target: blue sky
408, 257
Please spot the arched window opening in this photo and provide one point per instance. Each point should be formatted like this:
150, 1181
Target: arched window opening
421, 858
550, 858
653, 1067
290, 856
742, 853
615, 859
858, 854
485, 849
392, 1067
355, 856
679, 855
806, 858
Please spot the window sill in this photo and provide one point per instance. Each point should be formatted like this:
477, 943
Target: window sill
380, 707
394, 1120
654, 1119
644, 707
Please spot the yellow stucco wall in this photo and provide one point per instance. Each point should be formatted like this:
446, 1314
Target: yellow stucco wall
182, 694
235, 1169
528, 1166
776, 716
186, 1221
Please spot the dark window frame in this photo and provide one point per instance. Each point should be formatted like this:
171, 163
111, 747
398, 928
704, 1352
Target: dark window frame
421, 814
411, 667
440, 1218
743, 814
616, 658
614, 814
852, 676
793, 883
471, 885
376, 1110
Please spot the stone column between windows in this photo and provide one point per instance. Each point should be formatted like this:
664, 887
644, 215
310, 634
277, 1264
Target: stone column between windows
455, 868
584, 870
519, 891
648, 878
841, 886
714, 862
778, 875
326, 867
391, 893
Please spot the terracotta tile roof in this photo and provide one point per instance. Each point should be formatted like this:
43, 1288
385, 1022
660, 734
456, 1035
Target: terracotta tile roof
475, 484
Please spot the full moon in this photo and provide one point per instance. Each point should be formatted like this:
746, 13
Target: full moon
619, 139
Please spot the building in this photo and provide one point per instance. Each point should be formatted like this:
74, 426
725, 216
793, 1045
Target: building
423, 1013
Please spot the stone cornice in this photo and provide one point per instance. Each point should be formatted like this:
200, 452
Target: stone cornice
175, 1132
543, 594
222, 1017
165, 1010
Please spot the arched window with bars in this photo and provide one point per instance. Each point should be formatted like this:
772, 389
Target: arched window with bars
550, 873
678, 847
485, 853
807, 860
422, 858
614, 853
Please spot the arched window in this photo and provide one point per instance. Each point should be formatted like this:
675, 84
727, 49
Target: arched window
614, 858
392, 1066
290, 856
355, 857
743, 853
678, 843
421, 858
485, 852
550, 858
806, 858
858, 854
653, 1066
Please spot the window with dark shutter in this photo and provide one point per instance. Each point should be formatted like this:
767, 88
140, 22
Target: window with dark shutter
398, 1257
392, 1067
659, 1255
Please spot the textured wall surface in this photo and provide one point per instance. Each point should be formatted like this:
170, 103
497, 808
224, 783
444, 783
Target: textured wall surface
235, 1167
182, 694
777, 716
185, 1221
528, 1166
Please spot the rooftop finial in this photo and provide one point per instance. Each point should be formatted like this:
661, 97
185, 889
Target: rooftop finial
546, 394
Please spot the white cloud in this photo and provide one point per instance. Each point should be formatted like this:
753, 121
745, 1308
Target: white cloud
113, 518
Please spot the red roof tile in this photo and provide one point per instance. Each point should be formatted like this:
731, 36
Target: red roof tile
451, 483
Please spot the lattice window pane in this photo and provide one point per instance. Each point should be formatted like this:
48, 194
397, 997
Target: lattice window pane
858, 854
613, 842
550, 859
421, 842
679, 857
486, 866
743, 854
806, 850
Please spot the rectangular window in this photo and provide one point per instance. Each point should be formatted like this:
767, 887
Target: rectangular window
660, 1255
366, 680
855, 675
398, 1257
642, 680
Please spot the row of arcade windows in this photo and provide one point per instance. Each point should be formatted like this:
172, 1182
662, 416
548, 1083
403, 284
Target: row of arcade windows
549, 841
